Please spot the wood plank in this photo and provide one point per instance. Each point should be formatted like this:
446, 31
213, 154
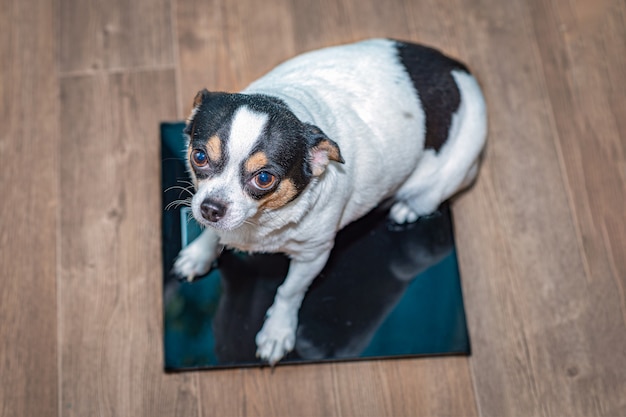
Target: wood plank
114, 34
586, 86
322, 23
224, 45
545, 337
110, 283
411, 387
29, 139
327, 22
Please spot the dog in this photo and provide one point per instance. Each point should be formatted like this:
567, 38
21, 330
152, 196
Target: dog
317, 143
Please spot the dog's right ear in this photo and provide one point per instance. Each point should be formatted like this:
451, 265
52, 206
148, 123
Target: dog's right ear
200, 98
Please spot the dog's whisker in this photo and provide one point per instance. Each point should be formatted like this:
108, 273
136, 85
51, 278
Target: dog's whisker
178, 203
178, 187
191, 184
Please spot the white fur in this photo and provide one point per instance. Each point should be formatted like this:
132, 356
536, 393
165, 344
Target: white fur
362, 98
246, 127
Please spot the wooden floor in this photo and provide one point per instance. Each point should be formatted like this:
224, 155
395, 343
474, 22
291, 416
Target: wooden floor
541, 237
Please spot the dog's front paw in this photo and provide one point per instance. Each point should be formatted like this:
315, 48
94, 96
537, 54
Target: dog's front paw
277, 337
194, 261
401, 213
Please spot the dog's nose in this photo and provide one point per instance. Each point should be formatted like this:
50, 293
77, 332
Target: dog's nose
212, 210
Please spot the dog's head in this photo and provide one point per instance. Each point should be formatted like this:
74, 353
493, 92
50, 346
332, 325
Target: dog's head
248, 154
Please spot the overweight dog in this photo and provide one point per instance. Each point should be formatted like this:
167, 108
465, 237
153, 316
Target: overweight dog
317, 143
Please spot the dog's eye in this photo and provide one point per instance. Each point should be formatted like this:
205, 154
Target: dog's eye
264, 180
199, 157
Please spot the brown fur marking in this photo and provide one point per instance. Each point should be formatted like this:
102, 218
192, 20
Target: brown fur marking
284, 194
214, 148
198, 99
257, 161
332, 150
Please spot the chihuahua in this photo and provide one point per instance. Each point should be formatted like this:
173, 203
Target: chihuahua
316, 144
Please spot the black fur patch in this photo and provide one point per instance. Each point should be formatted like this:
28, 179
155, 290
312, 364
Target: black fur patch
430, 72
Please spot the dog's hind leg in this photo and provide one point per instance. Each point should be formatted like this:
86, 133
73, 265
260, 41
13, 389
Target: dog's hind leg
440, 175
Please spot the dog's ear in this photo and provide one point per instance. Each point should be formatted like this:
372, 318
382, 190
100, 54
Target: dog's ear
322, 150
197, 101
200, 97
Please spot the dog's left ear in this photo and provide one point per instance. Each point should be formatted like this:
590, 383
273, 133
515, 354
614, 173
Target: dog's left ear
322, 150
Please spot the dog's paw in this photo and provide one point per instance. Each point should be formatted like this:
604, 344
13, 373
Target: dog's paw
194, 261
277, 337
401, 213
